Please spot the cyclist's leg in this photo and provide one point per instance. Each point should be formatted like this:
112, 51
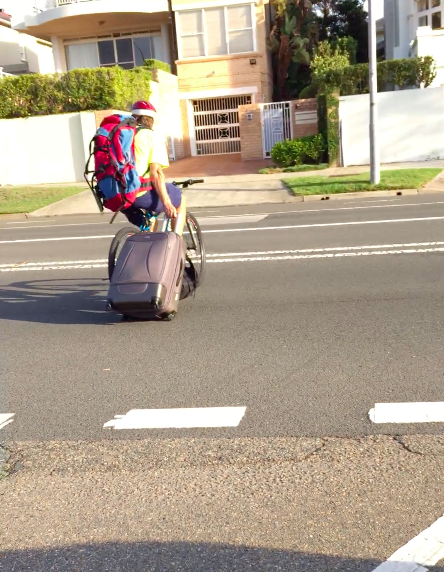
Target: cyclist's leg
178, 223
134, 216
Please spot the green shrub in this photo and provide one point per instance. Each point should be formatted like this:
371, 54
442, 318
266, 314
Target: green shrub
76, 90
158, 65
328, 124
308, 150
404, 73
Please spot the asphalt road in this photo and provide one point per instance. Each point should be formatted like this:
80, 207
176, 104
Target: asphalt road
309, 315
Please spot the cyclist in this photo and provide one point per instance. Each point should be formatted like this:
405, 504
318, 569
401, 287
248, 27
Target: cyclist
155, 195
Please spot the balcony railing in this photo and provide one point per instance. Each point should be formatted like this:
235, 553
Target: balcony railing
41, 5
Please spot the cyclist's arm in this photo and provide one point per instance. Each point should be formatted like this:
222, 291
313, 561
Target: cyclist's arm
158, 180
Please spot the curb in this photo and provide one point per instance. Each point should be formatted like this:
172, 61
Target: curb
17, 216
362, 194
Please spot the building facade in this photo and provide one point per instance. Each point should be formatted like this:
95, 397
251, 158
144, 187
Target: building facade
217, 48
415, 28
21, 53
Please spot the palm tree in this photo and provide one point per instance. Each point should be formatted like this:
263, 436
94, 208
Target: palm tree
291, 39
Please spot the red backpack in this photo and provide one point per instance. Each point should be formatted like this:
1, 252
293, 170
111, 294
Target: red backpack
115, 181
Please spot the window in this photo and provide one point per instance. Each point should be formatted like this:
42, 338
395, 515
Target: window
430, 13
216, 31
82, 56
126, 52
436, 20
192, 34
144, 49
22, 47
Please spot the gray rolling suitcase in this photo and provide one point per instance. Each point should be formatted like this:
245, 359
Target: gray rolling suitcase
147, 280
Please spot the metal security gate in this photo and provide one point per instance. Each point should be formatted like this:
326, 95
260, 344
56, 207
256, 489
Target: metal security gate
216, 124
276, 125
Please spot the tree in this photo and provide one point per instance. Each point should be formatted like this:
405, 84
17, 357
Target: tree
291, 41
341, 18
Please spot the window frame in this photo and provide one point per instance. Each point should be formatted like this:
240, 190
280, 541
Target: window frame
114, 38
226, 29
428, 13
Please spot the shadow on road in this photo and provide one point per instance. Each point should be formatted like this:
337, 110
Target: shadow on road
61, 301
177, 557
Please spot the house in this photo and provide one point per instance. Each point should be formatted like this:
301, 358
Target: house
217, 48
380, 38
415, 28
21, 53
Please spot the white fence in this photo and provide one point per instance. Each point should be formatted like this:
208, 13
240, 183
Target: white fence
411, 126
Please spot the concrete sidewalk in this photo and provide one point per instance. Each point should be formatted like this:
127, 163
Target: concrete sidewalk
237, 190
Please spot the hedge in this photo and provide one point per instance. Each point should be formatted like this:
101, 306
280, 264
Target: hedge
404, 73
76, 90
328, 123
158, 65
306, 150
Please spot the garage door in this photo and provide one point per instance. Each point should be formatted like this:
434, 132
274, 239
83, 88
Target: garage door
216, 124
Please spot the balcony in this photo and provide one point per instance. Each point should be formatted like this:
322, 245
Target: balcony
74, 18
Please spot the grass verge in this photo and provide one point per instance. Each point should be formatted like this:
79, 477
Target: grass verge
390, 181
295, 169
27, 199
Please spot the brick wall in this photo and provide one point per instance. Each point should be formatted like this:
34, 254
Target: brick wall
226, 72
251, 132
305, 124
100, 115
251, 129
186, 145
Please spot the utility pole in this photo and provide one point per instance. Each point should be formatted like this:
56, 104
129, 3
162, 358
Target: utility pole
375, 167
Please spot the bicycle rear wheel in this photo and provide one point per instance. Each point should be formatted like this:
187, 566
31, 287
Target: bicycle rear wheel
195, 247
116, 247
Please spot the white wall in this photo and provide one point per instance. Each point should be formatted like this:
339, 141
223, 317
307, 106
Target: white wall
48, 149
411, 126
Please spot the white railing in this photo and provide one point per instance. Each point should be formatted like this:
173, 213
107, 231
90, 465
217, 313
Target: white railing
41, 5
4, 74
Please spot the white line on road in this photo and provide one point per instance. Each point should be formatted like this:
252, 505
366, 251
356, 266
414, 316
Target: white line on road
178, 418
421, 412
63, 263
5, 419
203, 221
303, 211
326, 224
426, 549
259, 228
57, 239
272, 255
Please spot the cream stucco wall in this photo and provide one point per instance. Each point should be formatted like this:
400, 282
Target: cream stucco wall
38, 56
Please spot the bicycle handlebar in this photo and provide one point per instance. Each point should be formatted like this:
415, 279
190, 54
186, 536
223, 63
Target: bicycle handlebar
188, 182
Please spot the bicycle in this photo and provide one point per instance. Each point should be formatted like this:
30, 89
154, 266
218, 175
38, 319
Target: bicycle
195, 261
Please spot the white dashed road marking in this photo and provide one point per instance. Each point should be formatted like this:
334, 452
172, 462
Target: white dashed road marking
201, 417
251, 229
421, 412
251, 256
5, 419
426, 549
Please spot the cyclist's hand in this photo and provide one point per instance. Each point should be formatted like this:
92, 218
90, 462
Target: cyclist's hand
170, 210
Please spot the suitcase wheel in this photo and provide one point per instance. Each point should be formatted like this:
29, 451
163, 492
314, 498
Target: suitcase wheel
168, 317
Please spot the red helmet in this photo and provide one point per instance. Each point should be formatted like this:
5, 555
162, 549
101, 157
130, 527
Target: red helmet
144, 108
